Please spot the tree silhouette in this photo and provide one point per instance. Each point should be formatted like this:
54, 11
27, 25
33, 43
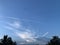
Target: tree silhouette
54, 41
7, 41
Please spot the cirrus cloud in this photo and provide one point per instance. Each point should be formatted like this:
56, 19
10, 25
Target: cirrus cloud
21, 31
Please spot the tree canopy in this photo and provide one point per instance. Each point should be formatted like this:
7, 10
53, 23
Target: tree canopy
54, 41
7, 41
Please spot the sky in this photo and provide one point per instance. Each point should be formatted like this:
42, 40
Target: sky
29, 18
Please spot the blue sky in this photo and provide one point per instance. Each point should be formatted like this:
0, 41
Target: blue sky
39, 17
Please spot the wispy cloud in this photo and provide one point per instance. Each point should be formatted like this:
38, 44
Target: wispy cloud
22, 32
45, 34
9, 28
16, 27
26, 36
15, 24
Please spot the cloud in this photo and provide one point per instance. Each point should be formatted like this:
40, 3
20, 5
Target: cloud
26, 36
15, 24
21, 31
7, 27
7, 17
12, 18
45, 34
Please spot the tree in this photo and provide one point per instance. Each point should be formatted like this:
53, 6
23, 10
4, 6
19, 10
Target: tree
54, 41
7, 41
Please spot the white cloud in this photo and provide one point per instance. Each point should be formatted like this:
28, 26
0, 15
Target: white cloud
10, 28
7, 17
26, 36
45, 34
15, 24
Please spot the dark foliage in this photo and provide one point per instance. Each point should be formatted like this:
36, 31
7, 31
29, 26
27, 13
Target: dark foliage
54, 41
7, 41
